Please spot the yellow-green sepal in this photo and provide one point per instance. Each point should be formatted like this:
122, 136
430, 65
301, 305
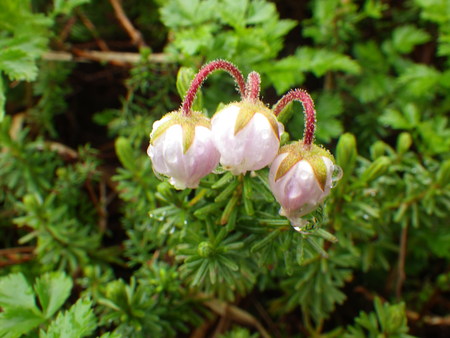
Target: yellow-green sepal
313, 154
248, 109
187, 123
293, 156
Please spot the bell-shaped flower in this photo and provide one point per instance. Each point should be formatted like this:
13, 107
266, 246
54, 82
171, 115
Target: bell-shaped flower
300, 178
182, 149
247, 135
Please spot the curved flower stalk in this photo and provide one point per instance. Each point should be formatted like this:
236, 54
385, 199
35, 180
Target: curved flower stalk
181, 145
301, 176
246, 133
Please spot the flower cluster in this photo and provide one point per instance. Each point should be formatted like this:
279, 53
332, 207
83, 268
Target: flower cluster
243, 136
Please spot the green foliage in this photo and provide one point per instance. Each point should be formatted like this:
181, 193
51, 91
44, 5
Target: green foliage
147, 260
21, 315
78, 321
25, 36
315, 286
137, 309
387, 320
238, 332
52, 89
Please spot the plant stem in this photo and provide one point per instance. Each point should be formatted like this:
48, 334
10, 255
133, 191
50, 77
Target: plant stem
401, 261
201, 76
253, 86
308, 107
135, 35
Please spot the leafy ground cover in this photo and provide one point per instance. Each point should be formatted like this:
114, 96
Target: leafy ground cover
93, 244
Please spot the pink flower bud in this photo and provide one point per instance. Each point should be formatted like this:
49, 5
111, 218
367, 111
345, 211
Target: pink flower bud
181, 148
247, 135
300, 180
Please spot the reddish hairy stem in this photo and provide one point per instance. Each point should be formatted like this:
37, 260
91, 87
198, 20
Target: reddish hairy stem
308, 107
253, 86
201, 76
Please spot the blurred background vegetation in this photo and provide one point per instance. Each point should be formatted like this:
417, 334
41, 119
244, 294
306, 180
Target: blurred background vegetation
93, 244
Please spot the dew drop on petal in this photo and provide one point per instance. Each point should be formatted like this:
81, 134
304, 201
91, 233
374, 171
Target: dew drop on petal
304, 175
172, 159
299, 224
336, 175
266, 135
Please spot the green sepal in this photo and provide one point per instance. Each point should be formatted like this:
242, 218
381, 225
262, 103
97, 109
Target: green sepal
247, 109
296, 152
320, 170
188, 124
188, 135
293, 156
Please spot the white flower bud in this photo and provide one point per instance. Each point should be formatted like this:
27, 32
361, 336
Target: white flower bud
247, 136
300, 180
181, 148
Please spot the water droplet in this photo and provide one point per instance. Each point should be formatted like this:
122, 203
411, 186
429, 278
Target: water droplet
266, 135
304, 175
172, 159
366, 217
336, 175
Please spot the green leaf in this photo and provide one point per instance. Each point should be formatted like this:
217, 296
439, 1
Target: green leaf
395, 119
125, 153
443, 175
404, 142
195, 40
111, 335
405, 38
373, 86
20, 314
284, 74
232, 12
179, 13
17, 321
260, 12
53, 289
321, 61
376, 169
2, 99
78, 321
15, 292
66, 6
346, 153
17, 64
420, 79
329, 107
